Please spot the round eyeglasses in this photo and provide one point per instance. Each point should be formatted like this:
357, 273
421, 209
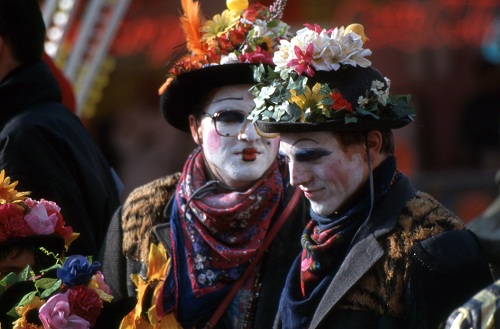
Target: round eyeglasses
230, 123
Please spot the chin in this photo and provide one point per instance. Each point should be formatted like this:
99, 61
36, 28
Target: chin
322, 210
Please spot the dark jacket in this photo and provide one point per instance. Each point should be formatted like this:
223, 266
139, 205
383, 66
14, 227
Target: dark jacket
47, 149
409, 265
142, 221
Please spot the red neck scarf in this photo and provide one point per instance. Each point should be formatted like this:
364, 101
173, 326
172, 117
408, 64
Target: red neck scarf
223, 231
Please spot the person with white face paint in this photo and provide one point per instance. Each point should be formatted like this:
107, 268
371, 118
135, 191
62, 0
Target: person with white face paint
230, 221
376, 253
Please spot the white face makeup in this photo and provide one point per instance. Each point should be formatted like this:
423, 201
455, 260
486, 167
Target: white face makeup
327, 173
236, 161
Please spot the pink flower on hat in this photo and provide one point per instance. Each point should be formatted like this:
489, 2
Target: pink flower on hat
56, 314
40, 221
45, 218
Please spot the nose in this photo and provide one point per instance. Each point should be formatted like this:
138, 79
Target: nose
248, 133
298, 174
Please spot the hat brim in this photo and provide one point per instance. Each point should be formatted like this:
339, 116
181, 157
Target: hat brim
365, 124
187, 90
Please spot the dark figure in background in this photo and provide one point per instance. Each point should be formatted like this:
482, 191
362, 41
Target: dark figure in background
480, 125
43, 144
487, 228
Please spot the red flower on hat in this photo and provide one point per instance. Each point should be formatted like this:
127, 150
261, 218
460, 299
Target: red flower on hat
340, 103
316, 28
254, 11
258, 56
301, 63
12, 222
85, 302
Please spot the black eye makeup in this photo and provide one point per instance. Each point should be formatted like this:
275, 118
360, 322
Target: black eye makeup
308, 155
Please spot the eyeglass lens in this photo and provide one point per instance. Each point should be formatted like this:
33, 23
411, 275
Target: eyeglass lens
229, 123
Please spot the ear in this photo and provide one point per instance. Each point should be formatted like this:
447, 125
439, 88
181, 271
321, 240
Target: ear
195, 127
374, 140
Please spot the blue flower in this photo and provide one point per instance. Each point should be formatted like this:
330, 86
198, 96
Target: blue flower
77, 270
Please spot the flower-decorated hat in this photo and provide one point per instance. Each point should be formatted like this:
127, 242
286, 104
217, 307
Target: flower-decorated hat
221, 52
30, 223
322, 81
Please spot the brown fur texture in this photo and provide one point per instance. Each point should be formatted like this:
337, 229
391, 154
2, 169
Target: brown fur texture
381, 290
142, 210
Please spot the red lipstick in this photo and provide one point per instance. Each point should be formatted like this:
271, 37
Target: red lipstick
249, 154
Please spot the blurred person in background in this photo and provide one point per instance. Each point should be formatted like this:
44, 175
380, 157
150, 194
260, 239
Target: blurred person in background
376, 252
43, 144
212, 244
487, 227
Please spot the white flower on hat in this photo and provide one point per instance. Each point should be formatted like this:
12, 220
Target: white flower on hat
330, 49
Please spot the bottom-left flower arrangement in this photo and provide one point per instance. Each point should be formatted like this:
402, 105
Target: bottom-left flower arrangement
40, 287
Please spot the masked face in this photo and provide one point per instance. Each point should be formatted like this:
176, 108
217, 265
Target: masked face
235, 153
327, 172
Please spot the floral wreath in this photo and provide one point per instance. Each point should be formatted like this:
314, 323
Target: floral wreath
74, 297
282, 93
21, 216
242, 33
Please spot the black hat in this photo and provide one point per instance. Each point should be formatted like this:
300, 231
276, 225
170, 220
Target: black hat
222, 52
323, 82
186, 91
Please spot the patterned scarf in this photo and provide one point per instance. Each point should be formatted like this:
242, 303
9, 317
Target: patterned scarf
215, 236
325, 243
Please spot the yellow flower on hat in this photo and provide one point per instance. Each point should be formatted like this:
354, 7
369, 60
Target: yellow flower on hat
8, 193
309, 100
219, 24
26, 312
236, 5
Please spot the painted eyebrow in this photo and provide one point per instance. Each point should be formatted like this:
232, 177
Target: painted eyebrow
304, 140
310, 153
228, 99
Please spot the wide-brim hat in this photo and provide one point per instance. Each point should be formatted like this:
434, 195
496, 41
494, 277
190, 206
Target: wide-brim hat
351, 82
186, 91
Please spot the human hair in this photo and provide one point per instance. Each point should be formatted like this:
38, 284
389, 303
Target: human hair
22, 28
43, 247
348, 138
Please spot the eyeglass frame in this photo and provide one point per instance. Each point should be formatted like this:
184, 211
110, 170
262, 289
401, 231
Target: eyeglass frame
244, 124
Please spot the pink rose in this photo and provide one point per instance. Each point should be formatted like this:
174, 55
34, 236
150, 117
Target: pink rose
40, 221
56, 314
45, 218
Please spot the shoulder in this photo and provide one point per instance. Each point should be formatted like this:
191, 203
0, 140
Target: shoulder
42, 119
423, 212
141, 211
